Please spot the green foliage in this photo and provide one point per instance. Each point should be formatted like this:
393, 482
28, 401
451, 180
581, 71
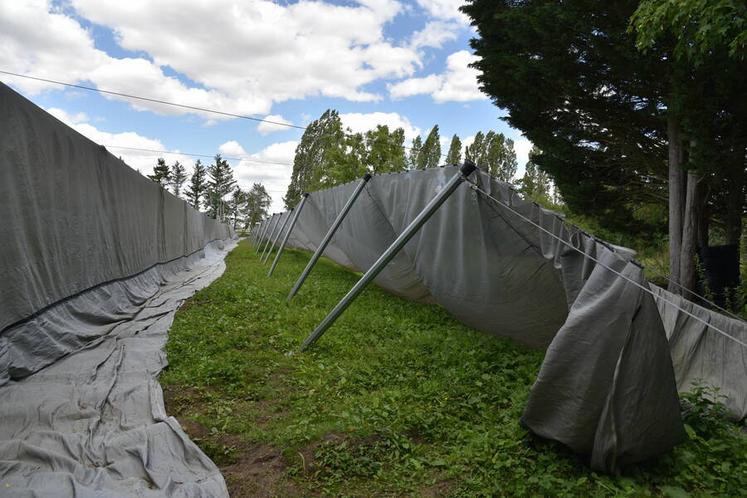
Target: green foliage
397, 399
161, 173
178, 177
220, 183
329, 155
384, 150
699, 26
454, 156
430, 154
197, 185
258, 202
535, 184
572, 81
415, 152
494, 152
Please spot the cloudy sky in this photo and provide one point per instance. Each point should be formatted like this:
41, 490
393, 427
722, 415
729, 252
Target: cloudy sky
401, 63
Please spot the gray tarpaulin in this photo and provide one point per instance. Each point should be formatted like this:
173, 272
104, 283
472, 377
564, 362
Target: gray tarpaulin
607, 386
94, 261
701, 355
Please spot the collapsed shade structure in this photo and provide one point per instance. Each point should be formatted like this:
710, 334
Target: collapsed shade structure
94, 261
500, 264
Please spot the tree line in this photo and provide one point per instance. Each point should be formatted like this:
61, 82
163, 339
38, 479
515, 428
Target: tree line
639, 108
213, 189
329, 154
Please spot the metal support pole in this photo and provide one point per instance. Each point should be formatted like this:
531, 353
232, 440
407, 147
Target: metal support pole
275, 239
328, 237
263, 231
261, 239
258, 231
272, 232
287, 234
467, 168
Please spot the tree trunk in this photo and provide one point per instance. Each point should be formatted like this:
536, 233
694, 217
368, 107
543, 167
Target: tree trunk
676, 204
693, 210
734, 206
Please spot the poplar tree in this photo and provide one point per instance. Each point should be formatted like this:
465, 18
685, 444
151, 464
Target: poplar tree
322, 148
416, 149
385, 151
430, 156
454, 155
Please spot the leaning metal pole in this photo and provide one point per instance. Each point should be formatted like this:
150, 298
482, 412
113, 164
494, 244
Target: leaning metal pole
328, 237
287, 233
467, 168
275, 239
272, 232
265, 227
258, 231
263, 241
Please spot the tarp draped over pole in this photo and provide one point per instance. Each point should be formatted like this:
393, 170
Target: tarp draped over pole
328, 236
493, 271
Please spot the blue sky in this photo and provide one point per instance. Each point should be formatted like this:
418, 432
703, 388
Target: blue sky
401, 63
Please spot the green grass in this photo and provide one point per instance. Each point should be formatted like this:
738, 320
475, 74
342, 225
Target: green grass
398, 398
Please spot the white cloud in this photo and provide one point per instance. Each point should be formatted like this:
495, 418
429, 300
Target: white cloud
444, 9
248, 56
522, 146
271, 166
264, 127
362, 122
457, 84
435, 34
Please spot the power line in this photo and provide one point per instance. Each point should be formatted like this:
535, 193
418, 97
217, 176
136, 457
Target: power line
165, 102
476, 188
249, 159
157, 101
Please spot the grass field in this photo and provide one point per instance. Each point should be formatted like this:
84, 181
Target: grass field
397, 399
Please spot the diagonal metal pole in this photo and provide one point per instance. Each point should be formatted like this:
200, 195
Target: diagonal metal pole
257, 232
287, 233
328, 237
265, 226
275, 239
467, 168
268, 222
268, 239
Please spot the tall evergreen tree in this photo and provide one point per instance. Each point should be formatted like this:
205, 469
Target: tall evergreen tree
430, 156
454, 155
161, 173
618, 127
178, 177
220, 184
197, 186
236, 206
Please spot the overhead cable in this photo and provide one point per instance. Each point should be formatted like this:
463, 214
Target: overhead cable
476, 188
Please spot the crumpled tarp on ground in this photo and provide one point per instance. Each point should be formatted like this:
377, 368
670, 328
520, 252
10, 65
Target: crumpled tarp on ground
93, 423
94, 261
606, 387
